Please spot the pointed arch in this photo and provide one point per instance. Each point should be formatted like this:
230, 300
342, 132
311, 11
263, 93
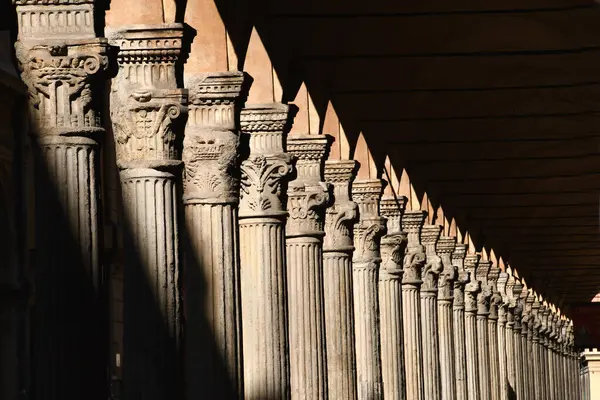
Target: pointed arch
266, 87
209, 49
362, 154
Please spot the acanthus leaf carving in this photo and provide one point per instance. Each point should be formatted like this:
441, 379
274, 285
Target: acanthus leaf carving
339, 222
367, 238
61, 84
393, 247
261, 183
414, 261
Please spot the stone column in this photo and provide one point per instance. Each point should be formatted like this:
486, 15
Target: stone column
429, 328
64, 75
544, 311
551, 355
458, 313
517, 349
412, 224
472, 290
483, 310
494, 349
561, 389
365, 272
146, 107
262, 218
307, 197
211, 195
538, 370
502, 341
524, 330
445, 247
337, 277
529, 354
510, 344
393, 246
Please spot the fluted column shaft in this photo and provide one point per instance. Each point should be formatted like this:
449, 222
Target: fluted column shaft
494, 349
445, 247
307, 198
393, 246
510, 353
365, 272
412, 224
518, 355
63, 76
429, 327
502, 348
337, 277
483, 311
211, 196
458, 311
146, 106
471, 291
262, 218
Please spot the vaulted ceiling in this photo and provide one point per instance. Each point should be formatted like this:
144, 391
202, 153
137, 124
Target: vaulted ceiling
492, 107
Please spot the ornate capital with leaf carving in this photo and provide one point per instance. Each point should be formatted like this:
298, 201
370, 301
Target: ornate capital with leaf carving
340, 217
393, 247
496, 298
264, 171
414, 261
445, 248
371, 227
483, 297
63, 87
433, 266
462, 276
146, 104
307, 194
210, 147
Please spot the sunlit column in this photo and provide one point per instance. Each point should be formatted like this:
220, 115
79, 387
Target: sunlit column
517, 343
483, 311
146, 106
529, 353
414, 261
393, 246
458, 314
429, 328
502, 341
337, 277
449, 275
472, 289
509, 332
211, 196
64, 76
308, 196
494, 349
262, 216
365, 266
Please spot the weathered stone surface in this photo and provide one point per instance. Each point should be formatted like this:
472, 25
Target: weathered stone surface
445, 247
414, 262
262, 218
366, 261
146, 110
337, 277
308, 197
458, 313
211, 195
393, 246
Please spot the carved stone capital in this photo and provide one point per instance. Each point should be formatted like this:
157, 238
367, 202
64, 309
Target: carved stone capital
471, 261
414, 261
430, 235
496, 299
393, 247
445, 247
264, 171
210, 147
340, 217
367, 194
392, 208
462, 277
307, 194
483, 297
63, 86
145, 100
472, 290
412, 224
43, 20
367, 238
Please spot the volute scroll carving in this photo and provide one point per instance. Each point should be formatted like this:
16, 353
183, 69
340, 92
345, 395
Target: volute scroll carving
430, 235
210, 146
63, 85
343, 212
445, 248
263, 173
414, 261
146, 104
484, 296
462, 276
307, 194
393, 247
